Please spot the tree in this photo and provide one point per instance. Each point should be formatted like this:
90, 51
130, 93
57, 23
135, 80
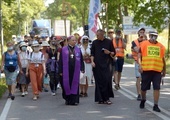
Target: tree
31, 9
78, 16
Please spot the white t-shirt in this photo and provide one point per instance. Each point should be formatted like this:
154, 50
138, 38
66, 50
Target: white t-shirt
36, 57
23, 58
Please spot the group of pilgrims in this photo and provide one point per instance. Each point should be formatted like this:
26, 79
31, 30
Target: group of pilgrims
43, 63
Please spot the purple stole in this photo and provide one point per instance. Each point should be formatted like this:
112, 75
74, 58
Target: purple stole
76, 77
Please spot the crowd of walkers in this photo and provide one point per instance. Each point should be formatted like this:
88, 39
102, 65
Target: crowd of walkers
37, 61
74, 62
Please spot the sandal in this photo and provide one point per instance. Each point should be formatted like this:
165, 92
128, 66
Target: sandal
101, 102
108, 102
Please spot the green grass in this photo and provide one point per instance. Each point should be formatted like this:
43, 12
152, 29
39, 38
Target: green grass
3, 86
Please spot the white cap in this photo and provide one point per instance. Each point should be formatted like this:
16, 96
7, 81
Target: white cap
153, 33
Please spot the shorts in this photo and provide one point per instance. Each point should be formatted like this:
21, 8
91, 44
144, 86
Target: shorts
137, 73
119, 64
148, 77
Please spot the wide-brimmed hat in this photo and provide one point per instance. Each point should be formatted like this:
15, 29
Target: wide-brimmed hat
35, 43
22, 44
44, 43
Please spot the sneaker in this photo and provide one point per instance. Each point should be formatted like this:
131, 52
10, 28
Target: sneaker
26, 93
12, 97
53, 94
139, 97
34, 98
156, 108
23, 94
58, 86
142, 104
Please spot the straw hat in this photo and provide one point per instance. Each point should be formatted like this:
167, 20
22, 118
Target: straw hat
35, 43
44, 43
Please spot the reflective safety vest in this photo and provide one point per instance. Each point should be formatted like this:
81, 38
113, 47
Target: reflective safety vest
134, 53
152, 56
119, 48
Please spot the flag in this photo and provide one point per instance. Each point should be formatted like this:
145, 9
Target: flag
95, 8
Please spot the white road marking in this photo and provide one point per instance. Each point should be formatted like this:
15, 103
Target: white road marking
6, 110
131, 95
125, 94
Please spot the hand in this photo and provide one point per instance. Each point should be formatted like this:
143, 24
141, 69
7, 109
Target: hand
106, 51
45, 72
27, 73
140, 69
163, 73
93, 64
61, 74
21, 71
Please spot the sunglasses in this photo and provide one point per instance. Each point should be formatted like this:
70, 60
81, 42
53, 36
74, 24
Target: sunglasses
110, 32
85, 39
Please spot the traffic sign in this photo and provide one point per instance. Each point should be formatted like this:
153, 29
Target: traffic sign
130, 28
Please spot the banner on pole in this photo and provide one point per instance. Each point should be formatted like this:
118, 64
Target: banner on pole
95, 8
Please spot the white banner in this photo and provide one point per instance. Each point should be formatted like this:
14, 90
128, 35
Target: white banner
95, 8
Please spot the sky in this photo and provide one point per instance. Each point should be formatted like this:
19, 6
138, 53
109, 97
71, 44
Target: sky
48, 2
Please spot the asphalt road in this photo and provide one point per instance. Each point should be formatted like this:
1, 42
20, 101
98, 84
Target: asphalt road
124, 107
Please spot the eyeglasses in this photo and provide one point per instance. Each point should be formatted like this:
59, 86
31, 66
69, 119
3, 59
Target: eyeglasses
85, 39
110, 32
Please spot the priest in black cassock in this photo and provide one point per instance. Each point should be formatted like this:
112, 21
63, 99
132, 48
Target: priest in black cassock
70, 65
102, 53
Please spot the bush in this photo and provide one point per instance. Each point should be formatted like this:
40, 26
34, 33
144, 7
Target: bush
3, 86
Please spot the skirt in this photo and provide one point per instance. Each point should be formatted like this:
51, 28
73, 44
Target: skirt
11, 77
23, 79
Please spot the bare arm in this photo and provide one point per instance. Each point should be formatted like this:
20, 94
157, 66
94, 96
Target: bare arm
164, 67
140, 62
19, 63
27, 69
58, 56
2, 62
